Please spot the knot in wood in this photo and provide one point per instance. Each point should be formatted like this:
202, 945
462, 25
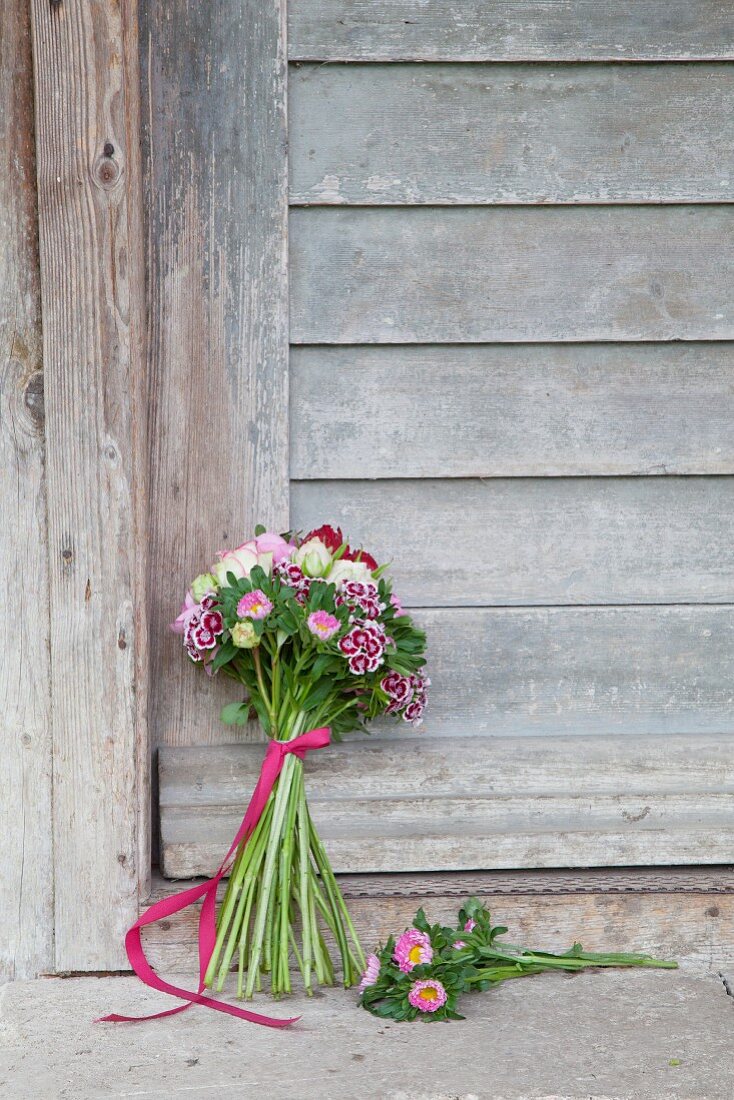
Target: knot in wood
107, 173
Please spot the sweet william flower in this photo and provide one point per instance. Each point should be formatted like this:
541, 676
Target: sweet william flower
244, 636
254, 605
322, 625
427, 996
412, 949
371, 973
313, 557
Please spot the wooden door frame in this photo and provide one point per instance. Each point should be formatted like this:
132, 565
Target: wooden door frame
119, 542
87, 123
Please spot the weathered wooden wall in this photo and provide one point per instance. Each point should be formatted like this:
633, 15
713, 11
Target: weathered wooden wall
510, 323
26, 897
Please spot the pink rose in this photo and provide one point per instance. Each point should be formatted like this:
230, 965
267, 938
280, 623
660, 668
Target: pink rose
270, 543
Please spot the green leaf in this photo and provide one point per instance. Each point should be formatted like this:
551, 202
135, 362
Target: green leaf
225, 653
235, 714
259, 530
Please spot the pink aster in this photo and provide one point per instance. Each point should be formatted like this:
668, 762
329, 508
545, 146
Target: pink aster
470, 925
427, 996
322, 625
458, 944
412, 949
371, 973
254, 605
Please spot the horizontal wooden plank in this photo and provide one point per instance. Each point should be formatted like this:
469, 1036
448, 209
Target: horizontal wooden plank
538, 541
608, 910
511, 133
511, 274
479, 803
215, 776
573, 670
512, 410
473, 30
376, 841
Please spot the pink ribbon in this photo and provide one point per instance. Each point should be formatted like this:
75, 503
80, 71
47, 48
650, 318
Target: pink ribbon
271, 768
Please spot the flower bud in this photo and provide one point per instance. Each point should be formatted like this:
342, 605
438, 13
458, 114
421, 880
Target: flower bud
313, 557
205, 582
244, 635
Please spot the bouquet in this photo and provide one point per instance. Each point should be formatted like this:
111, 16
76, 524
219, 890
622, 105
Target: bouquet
423, 972
312, 631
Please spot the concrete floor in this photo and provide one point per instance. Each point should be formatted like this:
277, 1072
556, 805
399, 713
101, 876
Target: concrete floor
628, 1036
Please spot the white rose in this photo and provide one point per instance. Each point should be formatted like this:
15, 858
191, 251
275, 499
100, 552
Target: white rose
313, 557
342, 571
240, 562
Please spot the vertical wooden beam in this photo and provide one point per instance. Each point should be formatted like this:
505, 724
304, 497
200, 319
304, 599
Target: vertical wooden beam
215, 92
92, 289
26, 872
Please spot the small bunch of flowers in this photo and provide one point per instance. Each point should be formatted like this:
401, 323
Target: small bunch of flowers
422, 973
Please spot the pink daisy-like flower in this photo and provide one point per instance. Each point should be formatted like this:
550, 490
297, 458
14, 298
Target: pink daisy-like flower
427, 996
470, 925
371, 973
254, 605
412, 949
322, 625
458, 944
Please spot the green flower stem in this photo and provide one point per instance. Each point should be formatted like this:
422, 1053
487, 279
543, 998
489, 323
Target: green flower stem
330, 883
252, 869
242, 862
305, 887
264, 907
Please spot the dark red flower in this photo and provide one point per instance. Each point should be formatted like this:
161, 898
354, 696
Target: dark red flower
361, 555
331, 537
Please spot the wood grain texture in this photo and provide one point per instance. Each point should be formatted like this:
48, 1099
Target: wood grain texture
26, 897
216, 180
538, 541
488, 134
659, 911
512, 410
472, 803
92, 289
511, 274
378, 768
509, 30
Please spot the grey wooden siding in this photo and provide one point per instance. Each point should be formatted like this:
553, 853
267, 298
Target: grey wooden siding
511, 133
385, 806
496, 274
511, 322
509, 30
502, 410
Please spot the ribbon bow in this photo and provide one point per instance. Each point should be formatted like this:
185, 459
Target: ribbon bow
271, 768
